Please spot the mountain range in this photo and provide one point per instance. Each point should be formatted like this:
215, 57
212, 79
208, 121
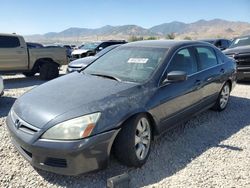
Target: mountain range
215, 28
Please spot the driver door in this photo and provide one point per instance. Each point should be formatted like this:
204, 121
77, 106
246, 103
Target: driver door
178, 100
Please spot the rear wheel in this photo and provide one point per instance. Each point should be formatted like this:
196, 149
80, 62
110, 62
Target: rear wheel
49, 71
133, 143
223, 98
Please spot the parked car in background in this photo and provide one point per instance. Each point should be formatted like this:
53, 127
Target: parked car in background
1, 86
69, 50
16, 56
119, 102
78, 64
240, 51
222, 44
90, 49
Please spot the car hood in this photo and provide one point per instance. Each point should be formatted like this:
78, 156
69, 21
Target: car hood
237, 50
79, 51
66, 94
83, 61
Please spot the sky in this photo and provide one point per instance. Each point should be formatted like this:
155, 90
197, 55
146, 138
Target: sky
41, 16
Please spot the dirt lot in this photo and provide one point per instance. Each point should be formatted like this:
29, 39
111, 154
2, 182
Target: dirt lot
211, 150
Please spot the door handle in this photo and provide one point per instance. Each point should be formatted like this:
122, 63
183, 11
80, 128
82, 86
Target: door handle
198, 82
210, 79
222, 71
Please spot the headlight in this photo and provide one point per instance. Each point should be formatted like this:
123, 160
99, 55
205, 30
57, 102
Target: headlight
76, 128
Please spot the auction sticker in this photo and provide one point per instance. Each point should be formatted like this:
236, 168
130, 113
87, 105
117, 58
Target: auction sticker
138, 60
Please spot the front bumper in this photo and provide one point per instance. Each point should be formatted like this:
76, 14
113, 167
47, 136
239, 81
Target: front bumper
64, 157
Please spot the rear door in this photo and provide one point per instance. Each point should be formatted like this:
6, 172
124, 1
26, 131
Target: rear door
179, 99
211, 72
13, 54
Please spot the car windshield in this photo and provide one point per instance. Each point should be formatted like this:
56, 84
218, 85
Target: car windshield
89, 46
132, 64
105, 50
242, 41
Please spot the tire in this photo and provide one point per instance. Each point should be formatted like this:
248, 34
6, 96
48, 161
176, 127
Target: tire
29, 74
133, 143
49, 71
223, 98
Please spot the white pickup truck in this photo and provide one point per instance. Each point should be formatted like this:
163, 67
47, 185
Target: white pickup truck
16, 57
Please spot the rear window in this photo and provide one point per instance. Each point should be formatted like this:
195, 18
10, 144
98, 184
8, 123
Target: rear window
207, 57
9, 42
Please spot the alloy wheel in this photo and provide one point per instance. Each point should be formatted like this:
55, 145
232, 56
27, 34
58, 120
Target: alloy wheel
224, 96
142, 138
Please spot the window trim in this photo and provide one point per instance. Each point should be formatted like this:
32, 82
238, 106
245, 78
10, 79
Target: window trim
160, 82
197, 55
192, 47
18, 42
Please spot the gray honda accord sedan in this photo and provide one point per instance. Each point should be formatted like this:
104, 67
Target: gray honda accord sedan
120, 102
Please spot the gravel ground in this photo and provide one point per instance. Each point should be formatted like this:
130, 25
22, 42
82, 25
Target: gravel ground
211, 150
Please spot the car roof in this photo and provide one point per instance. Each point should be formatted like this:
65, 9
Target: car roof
164, 43
10, 34
213, 39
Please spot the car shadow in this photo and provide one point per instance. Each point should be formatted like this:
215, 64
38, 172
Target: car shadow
243, 82
21, 82
173, 151
6, 104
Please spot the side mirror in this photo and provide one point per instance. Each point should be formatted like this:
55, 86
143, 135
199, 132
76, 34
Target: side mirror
100, 48
176, 76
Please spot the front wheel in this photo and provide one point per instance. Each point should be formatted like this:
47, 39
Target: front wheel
49, 71
29, 74
223, 98
133, 143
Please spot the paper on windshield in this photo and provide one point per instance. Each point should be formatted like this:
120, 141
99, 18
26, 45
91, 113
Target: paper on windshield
138, 60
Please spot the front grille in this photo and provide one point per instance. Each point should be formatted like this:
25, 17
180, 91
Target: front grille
83, 55
56, 162
76, 56
22, 125
242, 60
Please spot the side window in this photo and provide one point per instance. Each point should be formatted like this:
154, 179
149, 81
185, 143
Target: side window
9, 42
218, 44
104, 45
220, 57
224, 44
207, 57
183, 61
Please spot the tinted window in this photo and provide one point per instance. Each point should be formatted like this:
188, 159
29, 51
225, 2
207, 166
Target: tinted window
104, 45
220, 57
183, 61
218, 43
207, 57
9, 42
224, 43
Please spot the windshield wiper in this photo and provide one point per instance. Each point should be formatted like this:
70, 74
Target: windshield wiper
106, 76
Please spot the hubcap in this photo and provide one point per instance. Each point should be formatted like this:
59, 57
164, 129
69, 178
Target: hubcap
142, 138
224, 96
